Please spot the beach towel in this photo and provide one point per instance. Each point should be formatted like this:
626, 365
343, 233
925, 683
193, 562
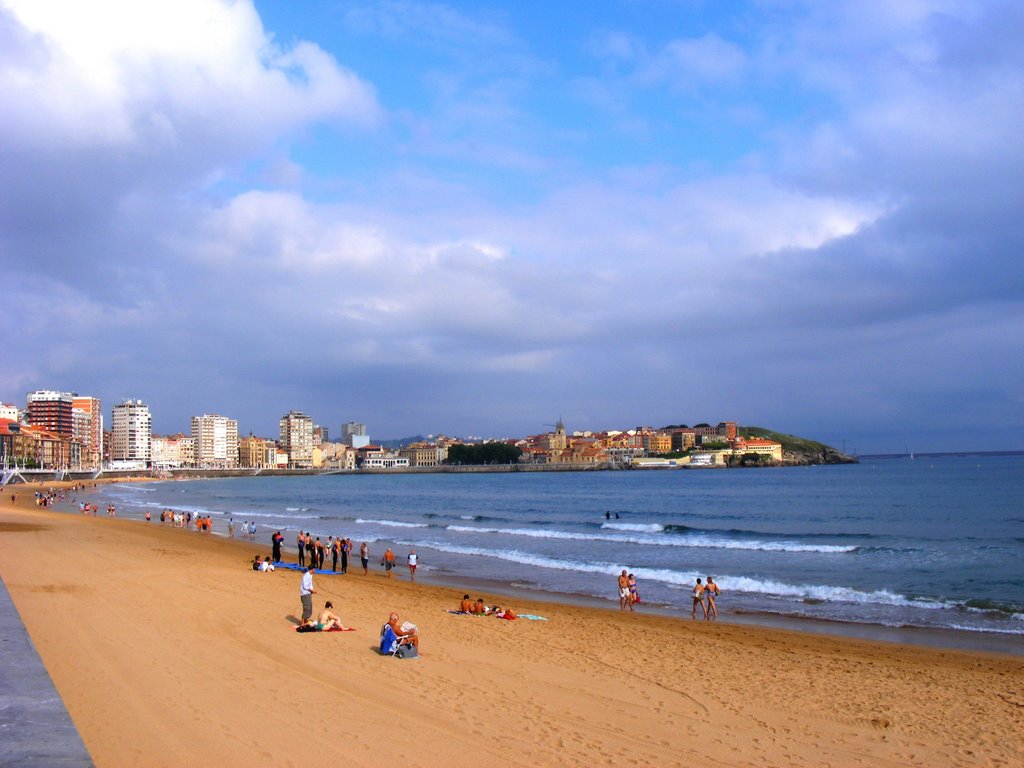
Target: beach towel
532, 617
307, 628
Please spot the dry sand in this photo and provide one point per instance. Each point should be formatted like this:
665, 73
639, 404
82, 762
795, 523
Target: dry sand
168, 650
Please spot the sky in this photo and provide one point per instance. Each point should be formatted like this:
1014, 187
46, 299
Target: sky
476, 218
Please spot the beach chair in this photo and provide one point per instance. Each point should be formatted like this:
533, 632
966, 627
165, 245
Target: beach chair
393, 645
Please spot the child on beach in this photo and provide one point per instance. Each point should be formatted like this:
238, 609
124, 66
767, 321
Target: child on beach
634, 595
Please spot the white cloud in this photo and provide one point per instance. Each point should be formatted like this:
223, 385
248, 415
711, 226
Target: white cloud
157, 75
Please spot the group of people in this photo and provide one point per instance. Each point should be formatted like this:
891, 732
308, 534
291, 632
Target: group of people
388, 561
202, 523
314, 551
479, 608
328, 620
628, 593
705, 595
246, 529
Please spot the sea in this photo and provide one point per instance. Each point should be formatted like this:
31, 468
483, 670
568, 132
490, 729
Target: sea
892, 548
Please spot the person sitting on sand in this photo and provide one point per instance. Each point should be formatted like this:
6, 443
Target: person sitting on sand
266, 565
329, 620
466, 606
478, 607
256, 563
404, 631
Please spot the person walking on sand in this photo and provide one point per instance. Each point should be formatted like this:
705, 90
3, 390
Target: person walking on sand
634, 595
389, 561
364, 556
698, 599
306, 593
413, 562
711, 592
624, 591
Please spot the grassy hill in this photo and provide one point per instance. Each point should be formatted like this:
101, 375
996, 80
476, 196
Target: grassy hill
799, 450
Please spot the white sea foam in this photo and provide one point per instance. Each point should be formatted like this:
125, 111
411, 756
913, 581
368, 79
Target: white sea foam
391, 523
665, 540
638, 527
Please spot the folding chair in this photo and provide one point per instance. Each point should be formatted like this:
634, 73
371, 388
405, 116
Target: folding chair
390, 643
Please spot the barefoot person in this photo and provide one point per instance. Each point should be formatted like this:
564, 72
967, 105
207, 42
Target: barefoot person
413, 562
711, 591
388, 561
624, 591
364, 556
698, 599
329, 620
306, 593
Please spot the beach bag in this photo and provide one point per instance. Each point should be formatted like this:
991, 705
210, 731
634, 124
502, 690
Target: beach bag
407, 651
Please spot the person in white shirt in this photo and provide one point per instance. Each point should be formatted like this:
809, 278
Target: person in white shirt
266, 565
413, 561
306, 593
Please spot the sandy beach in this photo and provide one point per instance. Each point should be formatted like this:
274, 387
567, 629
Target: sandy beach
168, 649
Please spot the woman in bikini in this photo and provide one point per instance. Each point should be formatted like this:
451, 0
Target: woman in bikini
711, 593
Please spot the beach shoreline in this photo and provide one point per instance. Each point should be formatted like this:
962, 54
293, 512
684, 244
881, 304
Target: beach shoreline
935, 637
166, 647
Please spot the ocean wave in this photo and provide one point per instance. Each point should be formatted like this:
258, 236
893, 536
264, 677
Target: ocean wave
701, 542
298, 509
391, 523
638, 527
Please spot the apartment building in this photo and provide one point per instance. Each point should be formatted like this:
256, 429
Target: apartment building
353, 434
87, 417
257, 453
172, 452
51, 410
131, 435
297, 439
216, 441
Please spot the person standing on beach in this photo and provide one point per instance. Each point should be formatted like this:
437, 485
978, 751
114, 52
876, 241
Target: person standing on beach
364, 556
275, 544
389, 561
413, 562
300, 544
698, 599
346, 550
624, 591
306, 593
334, 545
711, 592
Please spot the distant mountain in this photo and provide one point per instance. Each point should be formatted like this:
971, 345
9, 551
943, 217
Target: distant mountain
399, 442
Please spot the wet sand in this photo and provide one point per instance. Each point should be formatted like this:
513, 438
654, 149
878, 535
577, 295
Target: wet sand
167, 650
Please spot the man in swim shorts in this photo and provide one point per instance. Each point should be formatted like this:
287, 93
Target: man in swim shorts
624, 591
328, 619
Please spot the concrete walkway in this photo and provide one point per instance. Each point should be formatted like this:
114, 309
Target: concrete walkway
35, 728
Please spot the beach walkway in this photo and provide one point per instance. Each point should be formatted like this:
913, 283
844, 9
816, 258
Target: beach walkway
35, 728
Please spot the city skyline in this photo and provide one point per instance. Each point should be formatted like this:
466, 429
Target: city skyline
472, 219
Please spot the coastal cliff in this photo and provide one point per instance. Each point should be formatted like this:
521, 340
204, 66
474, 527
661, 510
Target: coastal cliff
799, 451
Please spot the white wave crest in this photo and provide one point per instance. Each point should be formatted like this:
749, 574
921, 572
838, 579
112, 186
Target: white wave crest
391, 523
663, 540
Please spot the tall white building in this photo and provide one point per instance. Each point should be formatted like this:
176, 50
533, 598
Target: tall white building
353, 434
297, 439
131, 435
216, 441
